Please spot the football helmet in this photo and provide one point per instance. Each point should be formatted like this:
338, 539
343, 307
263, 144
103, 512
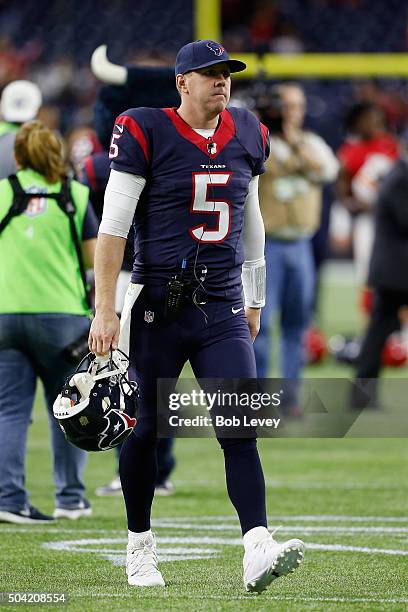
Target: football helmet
97, 406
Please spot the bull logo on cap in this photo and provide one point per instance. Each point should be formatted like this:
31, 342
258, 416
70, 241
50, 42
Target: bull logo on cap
217, 49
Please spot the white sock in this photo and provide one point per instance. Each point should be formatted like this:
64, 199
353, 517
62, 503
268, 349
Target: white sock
134, 537
256, 534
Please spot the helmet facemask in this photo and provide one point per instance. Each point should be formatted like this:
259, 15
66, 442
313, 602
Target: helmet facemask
97, 405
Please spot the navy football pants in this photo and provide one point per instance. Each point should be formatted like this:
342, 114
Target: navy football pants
218, 348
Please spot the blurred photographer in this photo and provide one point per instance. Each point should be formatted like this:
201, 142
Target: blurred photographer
290, 195
387, 276
47, 238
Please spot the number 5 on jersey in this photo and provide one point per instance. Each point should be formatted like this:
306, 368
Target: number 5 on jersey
114, 149
201, 203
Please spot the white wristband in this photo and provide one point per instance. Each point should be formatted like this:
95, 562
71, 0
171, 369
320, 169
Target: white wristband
254, 282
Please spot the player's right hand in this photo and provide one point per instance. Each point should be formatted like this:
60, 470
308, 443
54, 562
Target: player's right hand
104, 333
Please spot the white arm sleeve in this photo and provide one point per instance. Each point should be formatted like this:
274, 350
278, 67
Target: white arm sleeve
253, 269
254, 230
121, 197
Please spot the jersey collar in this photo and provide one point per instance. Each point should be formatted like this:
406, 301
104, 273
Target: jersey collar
222, 135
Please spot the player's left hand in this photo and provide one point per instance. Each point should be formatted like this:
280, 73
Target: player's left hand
253, 316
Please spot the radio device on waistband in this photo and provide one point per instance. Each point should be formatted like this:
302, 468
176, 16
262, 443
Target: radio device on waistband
175, 294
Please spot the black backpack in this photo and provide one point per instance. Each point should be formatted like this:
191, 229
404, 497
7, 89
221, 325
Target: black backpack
65, 202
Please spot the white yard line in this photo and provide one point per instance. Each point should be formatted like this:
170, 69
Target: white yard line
367, 529
363, 549
282, 484
298, 517
228, 522
98, 546
57, 530
265, 599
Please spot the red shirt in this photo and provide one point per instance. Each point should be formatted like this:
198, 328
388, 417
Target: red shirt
353, 153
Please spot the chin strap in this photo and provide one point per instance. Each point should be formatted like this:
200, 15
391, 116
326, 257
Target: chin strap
254, 281
109, 365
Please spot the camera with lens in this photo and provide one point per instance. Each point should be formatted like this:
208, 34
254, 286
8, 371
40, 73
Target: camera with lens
267, 102
77, 350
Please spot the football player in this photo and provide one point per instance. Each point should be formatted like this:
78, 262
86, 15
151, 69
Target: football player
188, 177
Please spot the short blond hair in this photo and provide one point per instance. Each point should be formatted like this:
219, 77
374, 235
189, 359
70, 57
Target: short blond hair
39, 148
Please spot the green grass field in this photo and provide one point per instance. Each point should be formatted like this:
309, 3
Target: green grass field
347, 498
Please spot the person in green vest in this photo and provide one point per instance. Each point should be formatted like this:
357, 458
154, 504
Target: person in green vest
20, 102
43, 310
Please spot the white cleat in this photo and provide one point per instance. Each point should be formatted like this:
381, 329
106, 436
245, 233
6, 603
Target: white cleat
114, 487
141, 562
164, 489
265, 560
83, 509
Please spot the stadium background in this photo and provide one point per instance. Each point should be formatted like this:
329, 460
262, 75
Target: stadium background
347, 497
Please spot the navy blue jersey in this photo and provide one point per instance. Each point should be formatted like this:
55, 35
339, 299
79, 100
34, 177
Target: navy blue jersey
95, 174
192, 207
90, 225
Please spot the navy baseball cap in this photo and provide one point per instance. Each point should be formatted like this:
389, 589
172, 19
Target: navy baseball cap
203, 53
